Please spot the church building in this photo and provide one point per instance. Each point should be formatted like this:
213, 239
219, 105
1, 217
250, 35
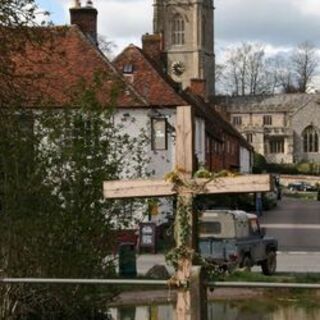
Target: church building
187, 28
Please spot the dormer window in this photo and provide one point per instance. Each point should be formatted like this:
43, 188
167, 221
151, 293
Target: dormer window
178, 30
128, 68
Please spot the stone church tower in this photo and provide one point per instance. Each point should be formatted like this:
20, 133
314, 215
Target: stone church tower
187, 30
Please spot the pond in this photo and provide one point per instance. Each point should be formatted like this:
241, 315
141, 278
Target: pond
241, 310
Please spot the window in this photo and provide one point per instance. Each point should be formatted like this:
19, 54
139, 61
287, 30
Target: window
128, 69
210, 228
204, 31
249, 137
310, 140
178, 29
216, 147
267, 120
276, 146
237, 121
228, 149
158, 134
208, 152
85, 132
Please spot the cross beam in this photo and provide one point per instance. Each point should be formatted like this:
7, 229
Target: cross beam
121, 189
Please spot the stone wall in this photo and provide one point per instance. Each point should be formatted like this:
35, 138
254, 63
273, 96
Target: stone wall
286, 179
291, 115
301, 119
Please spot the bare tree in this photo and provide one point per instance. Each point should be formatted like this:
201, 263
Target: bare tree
245, 70
219, 70
305, 62
282, 78
106, 46
256, 69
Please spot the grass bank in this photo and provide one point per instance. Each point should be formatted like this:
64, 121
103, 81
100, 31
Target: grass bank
300, 195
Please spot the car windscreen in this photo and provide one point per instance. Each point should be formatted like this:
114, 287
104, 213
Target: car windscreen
213, 227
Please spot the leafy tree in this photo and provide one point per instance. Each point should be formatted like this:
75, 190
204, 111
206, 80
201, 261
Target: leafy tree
259, 163
16, 18
54, 221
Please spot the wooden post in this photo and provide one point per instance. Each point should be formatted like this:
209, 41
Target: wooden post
185, 140
191, 301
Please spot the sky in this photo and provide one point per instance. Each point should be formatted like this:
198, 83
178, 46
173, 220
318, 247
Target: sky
279, 24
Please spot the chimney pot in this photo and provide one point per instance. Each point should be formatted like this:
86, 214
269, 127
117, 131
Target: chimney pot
77, 4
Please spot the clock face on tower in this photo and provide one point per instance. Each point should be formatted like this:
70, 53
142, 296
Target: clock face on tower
177, 68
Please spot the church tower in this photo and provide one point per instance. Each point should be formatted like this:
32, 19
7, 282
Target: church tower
187, 30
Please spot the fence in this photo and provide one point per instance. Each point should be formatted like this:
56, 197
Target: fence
162, 283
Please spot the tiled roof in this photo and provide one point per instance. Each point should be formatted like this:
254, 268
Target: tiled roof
62, 61
269, 103
146, 77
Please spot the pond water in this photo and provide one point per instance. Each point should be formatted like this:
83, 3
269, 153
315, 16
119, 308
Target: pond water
242, 310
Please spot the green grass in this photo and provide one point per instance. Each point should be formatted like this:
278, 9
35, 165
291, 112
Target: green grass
301, 195
300, 297
277, 278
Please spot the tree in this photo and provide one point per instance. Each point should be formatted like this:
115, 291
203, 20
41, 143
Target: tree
304, 64
16, 19
106, 46
280, 69
259, 163
54, 221
17, 13
246, 70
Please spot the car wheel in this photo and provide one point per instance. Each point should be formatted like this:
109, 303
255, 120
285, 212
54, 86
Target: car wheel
269, 265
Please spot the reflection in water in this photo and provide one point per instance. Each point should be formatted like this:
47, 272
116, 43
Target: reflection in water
244, 310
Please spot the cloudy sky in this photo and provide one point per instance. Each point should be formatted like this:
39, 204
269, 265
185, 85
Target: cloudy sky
277, 23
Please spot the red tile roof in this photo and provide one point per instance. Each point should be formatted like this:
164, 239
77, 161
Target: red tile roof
60, 63
148, 80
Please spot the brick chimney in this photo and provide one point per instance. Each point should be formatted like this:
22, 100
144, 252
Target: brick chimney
85, 18
152, 46
199, 87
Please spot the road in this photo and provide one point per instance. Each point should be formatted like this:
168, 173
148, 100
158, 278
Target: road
287, 262
296, 225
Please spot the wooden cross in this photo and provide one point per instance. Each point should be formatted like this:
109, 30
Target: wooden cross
191, 303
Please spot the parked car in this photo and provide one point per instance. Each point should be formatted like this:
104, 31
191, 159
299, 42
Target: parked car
301, 186
232, 238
